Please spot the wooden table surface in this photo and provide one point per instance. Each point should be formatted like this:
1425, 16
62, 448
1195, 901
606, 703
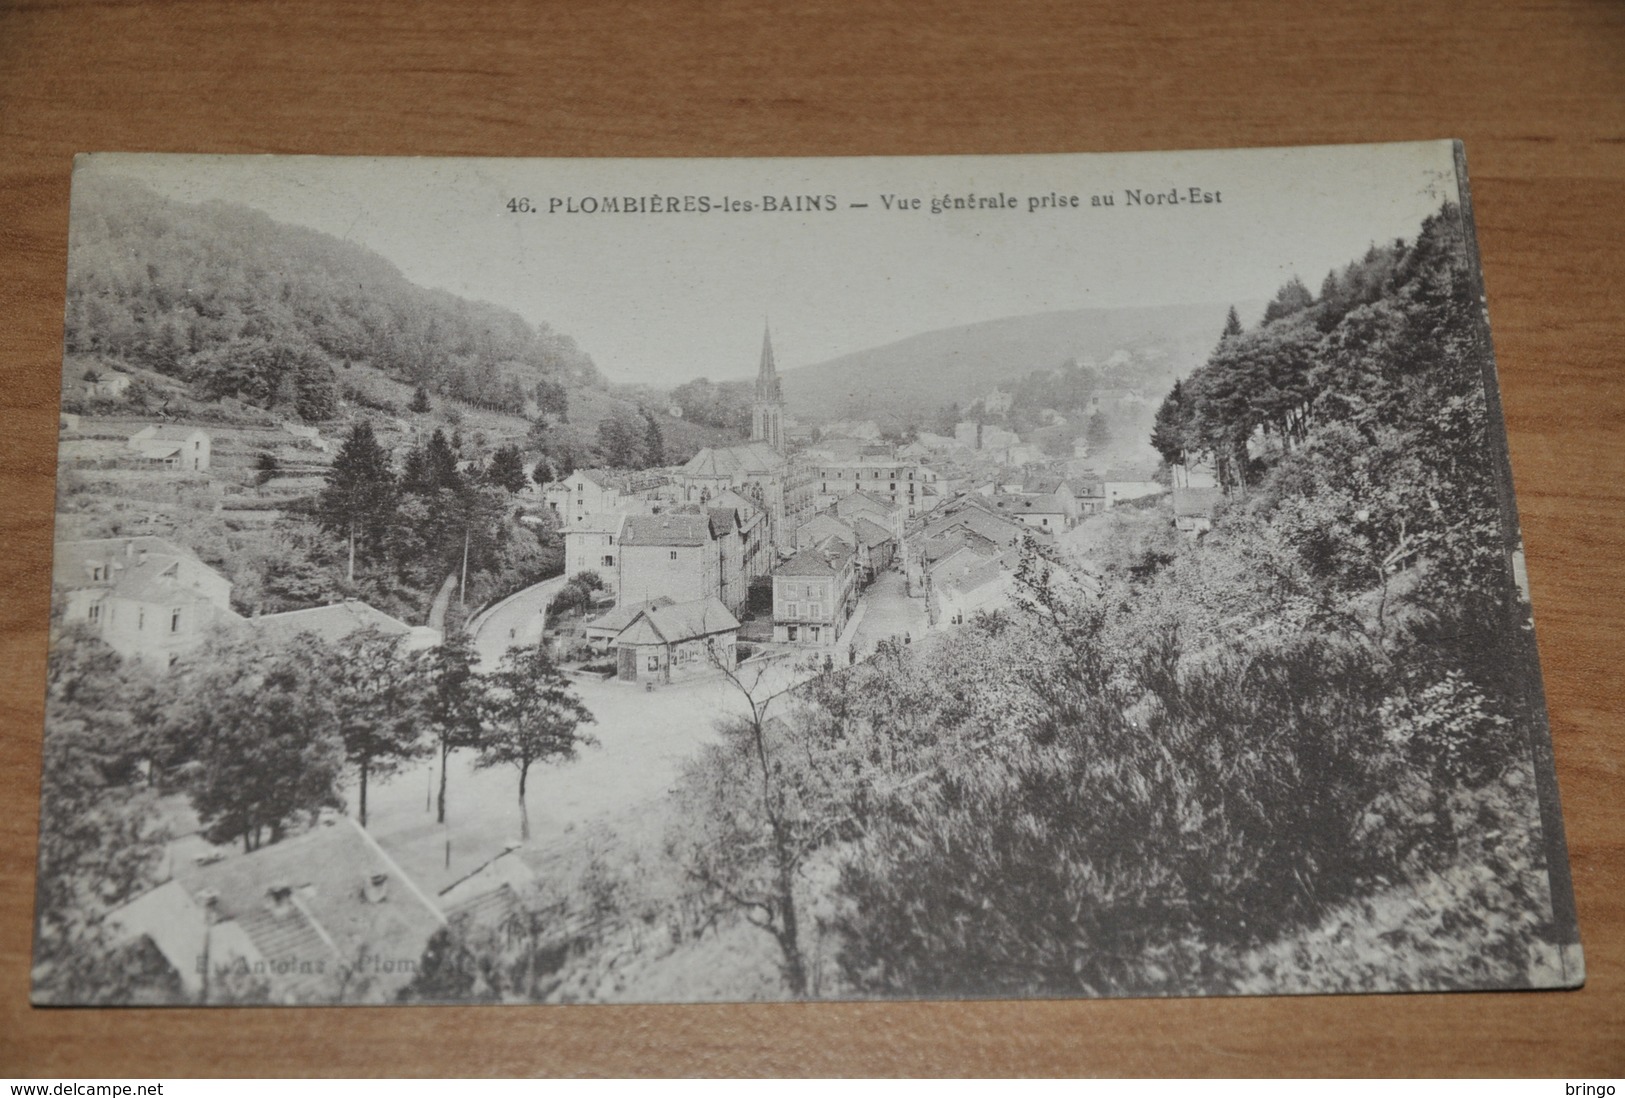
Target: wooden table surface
1536, 89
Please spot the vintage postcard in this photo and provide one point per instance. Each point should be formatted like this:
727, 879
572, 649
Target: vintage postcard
506, 581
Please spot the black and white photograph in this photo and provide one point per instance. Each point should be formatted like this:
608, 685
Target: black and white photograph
629, 581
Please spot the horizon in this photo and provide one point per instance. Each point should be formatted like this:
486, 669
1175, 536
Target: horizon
828, 284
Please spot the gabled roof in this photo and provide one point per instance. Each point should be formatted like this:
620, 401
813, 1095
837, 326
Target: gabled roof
724, 520
750, 458
824, 559
667, 529
167, 433
344, 898
329, 623
140, 568
683, 621
597, 523
870, 533
604, 478
621, 616
860, 498
1044, 484
825, 525
731, 498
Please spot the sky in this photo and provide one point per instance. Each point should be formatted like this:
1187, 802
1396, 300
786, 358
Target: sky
662, 298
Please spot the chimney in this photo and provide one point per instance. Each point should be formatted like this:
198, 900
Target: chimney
279, 900
375, 888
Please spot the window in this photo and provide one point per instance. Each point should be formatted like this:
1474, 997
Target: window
815, 610
813, 634
792, 610
140, 619
95, 611
175, 620
654, 663
609, 561
790, 634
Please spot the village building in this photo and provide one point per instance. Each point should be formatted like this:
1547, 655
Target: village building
758, 473
1090, 492
676, 555
147, 598
814, 594
592, 544
874, 545
1047, 512
675, 642
905, 484
305, 920
603, 629
590, 492
183, 449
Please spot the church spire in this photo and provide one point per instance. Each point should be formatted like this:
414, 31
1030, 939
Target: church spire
767, 376
767, 410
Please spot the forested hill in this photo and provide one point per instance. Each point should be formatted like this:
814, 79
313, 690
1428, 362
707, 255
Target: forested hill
187, 289
1145, 347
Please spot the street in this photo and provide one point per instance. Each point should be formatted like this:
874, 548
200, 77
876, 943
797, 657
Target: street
644, 736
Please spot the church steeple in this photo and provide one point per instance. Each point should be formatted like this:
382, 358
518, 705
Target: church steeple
767, 377
767, 410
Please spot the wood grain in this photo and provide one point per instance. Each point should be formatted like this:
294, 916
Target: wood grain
1537, 91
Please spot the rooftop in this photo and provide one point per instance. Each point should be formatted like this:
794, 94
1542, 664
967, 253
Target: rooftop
679, 622
329, 623
623, 615
745, 459
667, 529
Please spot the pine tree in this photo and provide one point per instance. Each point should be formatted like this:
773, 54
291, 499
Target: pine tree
420, 401
360, 494
507, 469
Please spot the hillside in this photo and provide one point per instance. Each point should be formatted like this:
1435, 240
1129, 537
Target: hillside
1140, 348
216, 306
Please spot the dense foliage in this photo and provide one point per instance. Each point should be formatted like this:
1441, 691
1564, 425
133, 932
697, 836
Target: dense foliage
1185, 775
241, 305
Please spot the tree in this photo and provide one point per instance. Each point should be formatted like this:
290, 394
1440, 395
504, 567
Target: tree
654, 442
751, 815
552, 399
375, 701
316, 388
450, 700
529, 716
100, 843
507, 469
266, 468
1232, 325
420, 401
621, 438
258, 723
359, 498
1291, 298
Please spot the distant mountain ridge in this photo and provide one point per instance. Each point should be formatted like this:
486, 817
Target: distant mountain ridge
1145, 348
